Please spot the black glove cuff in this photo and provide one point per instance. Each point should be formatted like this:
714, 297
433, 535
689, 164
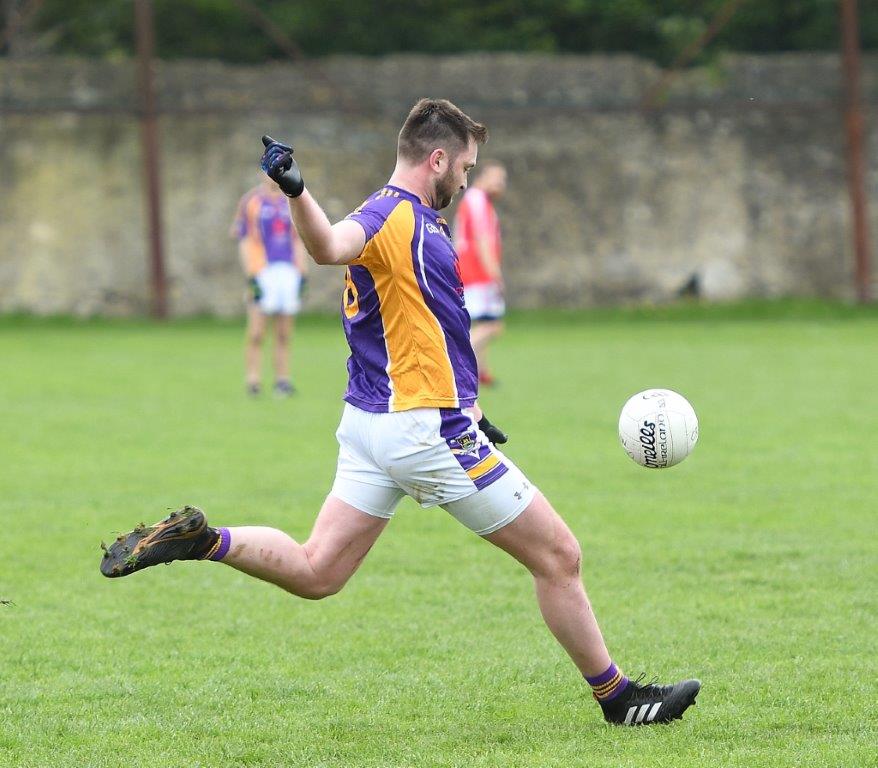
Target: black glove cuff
298, 190
493, 433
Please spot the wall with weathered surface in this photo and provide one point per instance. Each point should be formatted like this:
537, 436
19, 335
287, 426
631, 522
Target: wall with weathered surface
738, 179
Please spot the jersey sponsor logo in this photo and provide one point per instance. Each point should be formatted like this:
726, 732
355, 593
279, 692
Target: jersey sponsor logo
458, 289
279, 227
434, 230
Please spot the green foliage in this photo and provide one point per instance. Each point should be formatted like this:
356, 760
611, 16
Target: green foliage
751, 565
658, 29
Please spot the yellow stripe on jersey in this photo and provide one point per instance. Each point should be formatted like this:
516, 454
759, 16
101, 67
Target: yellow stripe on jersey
485, 465
419, 368
254, 248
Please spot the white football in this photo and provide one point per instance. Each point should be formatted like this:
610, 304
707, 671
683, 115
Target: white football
658, 428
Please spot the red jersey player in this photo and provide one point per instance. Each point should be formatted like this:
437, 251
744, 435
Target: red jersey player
478, 244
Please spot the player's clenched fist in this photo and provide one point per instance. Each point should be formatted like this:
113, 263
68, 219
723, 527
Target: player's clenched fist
278, 164
494, 434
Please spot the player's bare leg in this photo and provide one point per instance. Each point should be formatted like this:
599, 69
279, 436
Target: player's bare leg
341, 538
541, 541
253, 347
283, 332
481, 334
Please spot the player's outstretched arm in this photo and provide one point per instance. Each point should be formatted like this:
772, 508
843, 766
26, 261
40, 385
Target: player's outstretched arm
327, 243
488, 260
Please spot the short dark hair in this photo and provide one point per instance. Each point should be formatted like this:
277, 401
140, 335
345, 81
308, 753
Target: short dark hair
436, 123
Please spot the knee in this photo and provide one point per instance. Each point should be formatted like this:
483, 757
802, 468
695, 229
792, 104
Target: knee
316, 593
254, 337
318, 589
565, 559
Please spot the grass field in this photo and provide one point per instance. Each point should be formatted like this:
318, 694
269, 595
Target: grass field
752, 565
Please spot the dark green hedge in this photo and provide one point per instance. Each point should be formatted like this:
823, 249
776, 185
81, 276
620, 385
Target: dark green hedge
657, 29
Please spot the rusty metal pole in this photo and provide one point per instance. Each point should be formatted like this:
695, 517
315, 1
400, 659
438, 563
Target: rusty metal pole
12, 19
856, 159
16, 20
143, 18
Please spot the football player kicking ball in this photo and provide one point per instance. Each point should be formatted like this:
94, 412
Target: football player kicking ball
411, 424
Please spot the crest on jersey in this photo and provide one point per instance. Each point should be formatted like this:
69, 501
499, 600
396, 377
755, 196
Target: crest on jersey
465, 444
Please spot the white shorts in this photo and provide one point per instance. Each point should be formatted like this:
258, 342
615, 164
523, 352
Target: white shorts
279, 285
439, 457
484, 301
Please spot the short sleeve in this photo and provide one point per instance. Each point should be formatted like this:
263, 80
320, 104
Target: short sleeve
372, 214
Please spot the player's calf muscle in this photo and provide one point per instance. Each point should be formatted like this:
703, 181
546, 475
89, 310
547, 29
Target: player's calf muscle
272, 556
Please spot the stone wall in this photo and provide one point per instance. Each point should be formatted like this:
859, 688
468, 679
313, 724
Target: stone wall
734, 187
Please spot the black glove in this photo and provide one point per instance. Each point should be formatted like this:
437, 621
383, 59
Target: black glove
255, 290
278, 163
494, 434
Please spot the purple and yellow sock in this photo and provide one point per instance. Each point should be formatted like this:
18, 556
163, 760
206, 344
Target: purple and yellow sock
608, 685
220, 547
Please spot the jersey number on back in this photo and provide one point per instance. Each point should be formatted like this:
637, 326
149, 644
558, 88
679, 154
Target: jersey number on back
350, 298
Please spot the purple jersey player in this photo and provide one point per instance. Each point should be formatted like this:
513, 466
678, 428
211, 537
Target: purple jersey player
411, 425
273, 260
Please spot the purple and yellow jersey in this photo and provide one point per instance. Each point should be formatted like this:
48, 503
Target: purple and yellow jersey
403, 311
265, 230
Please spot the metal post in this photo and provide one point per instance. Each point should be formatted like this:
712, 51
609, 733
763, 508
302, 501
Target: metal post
854, 124
143, 18
7, 35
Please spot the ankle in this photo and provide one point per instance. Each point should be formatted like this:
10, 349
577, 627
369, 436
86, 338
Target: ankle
608, 685
217, 542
